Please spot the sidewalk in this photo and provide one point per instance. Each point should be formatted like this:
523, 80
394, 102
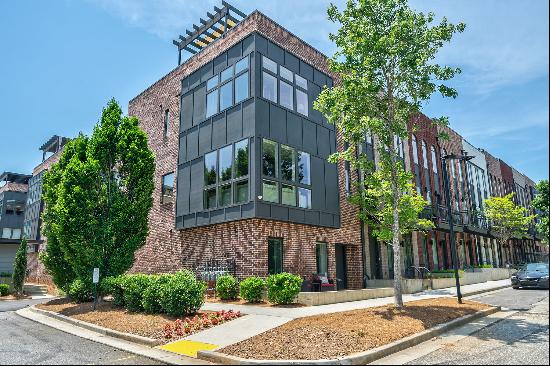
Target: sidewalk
260, 319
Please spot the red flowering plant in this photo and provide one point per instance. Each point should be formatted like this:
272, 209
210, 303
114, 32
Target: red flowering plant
198, 322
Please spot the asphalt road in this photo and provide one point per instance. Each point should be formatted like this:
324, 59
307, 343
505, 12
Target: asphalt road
521, 339
26, 342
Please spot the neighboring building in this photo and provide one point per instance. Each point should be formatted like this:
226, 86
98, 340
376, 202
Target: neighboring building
13, 194
51, 152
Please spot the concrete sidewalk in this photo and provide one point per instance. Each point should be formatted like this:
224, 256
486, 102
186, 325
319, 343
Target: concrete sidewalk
260, 319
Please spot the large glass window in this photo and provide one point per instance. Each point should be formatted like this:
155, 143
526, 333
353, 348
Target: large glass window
286, 74
301, 82
287, 163
241, 87
270, 191
321, 254
288, 193
226, 159
304, 168
241, 65
212, 82
167, 188
301, 103
304, 197
241, 191
226, 96
210, 198
226, 74
269, 89
274, 255
212, 103
210, 163
225, 195
269, 64
269, 158
286, 97
241, 158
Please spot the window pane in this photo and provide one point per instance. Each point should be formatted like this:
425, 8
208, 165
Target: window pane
212, 103
241, 87
269, 64
210, 198
210, 160
304, 198
288, 193
286, 95
167, 188
226, 74
303, 168
225, 163
241, 192
287, 163
241, 158
274, 256
241, 65
269, 90
270, 191
269, 158
301, 82
226, 96
301, 102
225, 195
212, 82
286, 73
322, 258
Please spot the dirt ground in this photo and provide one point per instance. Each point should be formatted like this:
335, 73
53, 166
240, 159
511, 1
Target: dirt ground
341, 334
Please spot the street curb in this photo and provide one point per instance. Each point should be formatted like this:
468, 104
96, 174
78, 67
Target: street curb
474, 293
358, 358
96, 328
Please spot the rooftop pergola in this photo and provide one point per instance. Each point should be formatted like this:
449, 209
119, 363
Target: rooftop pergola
53, 145
15, 177
210, 30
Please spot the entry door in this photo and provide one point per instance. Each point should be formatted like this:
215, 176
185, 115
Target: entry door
341, 271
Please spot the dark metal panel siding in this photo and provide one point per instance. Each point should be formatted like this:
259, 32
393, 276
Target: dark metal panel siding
234, 124
219, 133
312, 217
309, 137
183, 191
205, 138
296, 215
306, 70
206, 72
292, 62
313, 93
220, 63
199, 105
279, 212
197, 184
294, 130
262, 119
275, 53
332, 142
319, 78
317, 183
234, 54
193, 143
331, 187
194, 80
186, 112
248, 44
248, 117
183, 149
326, 219
261, 44
277, 123
323, 142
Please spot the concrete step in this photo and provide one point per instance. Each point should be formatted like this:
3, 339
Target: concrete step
35, 289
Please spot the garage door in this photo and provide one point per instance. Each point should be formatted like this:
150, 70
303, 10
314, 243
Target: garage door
7, 256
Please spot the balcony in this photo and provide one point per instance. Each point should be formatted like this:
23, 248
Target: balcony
472, 222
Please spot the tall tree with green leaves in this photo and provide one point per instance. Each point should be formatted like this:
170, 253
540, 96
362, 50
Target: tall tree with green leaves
540, 203
20, 267
386, 69
97, 200
508, 220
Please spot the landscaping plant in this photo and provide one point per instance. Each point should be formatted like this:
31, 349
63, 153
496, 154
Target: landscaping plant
80, 290
227, 287
151, 295
4, 289
134, 287
20, 267
189, 325
183, 294
282, 288
252, 289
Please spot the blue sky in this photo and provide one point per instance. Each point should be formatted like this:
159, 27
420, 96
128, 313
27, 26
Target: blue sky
61, 61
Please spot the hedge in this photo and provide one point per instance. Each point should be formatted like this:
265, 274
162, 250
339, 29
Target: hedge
227, 287
4, 289
283, 288
183, 294
252, 289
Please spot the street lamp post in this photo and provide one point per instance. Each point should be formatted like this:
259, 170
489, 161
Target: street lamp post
454, 255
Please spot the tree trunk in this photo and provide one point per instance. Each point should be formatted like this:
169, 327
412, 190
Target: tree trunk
398, 291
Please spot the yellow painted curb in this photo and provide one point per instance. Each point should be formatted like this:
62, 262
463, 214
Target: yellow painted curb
187, 348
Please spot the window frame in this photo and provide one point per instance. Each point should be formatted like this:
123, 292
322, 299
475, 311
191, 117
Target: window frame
318, 247
163, 198
279, 246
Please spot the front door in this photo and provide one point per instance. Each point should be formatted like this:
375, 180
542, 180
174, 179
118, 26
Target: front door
341, 270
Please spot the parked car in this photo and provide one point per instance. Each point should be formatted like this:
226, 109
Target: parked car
531, 275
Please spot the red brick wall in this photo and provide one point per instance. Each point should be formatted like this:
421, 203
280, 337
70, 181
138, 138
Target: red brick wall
167, 249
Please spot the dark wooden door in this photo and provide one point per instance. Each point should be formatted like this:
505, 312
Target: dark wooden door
341, 270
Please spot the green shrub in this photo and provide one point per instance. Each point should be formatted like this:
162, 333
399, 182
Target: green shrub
4, 289
283, 288
151, 296
20, 267
252, 289
134, 286
80, 290
227, 287
115, 288
183, 294
107, 285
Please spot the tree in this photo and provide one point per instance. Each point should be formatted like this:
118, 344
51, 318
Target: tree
508, 220
20, 267
97, 200
385, 65
540, 203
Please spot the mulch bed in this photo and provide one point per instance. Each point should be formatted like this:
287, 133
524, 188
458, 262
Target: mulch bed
335, 335
110, 316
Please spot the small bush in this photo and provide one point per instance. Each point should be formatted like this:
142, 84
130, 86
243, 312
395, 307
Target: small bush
252, 289
134, 286
183, 294
152, 294
227, 287
107, 286
20, 267
4, 289
114, 286
80, 290
283, 288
